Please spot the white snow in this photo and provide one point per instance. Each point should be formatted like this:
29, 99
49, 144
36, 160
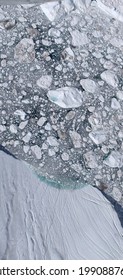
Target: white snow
66, 97
42, 222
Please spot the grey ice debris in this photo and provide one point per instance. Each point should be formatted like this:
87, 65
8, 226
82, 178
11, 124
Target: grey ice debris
108, 65
119, 94
24, 51
20, 113
9, 24
68, 54
95, 120
82, 5
27, 137
68, 5
46, 42
98, 136
52, 141
3, 63
54, 32
79, 38
115, 104
37, 151
77, 167
120, 134
50, 9
2, 128
70, 115
88, 85
117, 42
13, 128
65, 156
45, 81
22, 125
25, 149
66, 97
110, 78
76, 138
48, 126
51, 152
90, 159
2, 15
41, 121
117, 194
115, 159
28, 6
44, 146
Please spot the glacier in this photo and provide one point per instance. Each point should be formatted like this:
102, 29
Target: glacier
43, 222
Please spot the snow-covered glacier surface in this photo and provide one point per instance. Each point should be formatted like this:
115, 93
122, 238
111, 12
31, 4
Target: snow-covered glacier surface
40, 222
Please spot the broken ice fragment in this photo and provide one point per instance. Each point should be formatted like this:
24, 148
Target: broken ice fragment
76, 139
20, 113
24, 51
68, 5
82, 5
37, 151
98, 136
115, 159
45, 81
117, 42
88, 85
117, 194
90, 159
110, 78
115, 104
68, 54
77, 167
2, 128
52, 141
13, 128
66, 97
27, 137
41, 121
120, 94
50, 10
79, 38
